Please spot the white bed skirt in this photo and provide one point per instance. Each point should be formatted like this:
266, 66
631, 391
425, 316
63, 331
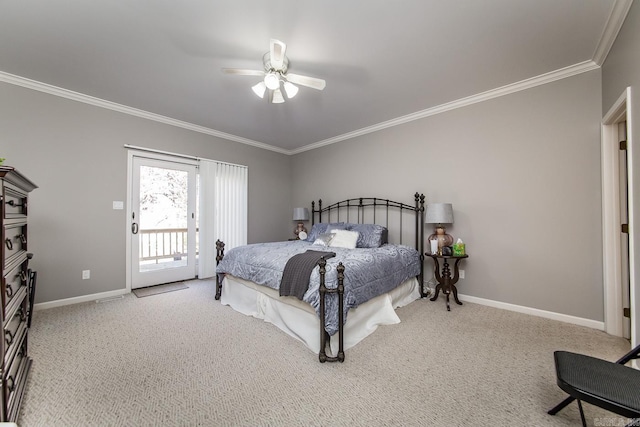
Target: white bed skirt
299, 320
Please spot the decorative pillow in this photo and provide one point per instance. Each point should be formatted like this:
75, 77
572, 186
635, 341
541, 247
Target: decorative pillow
344, 239
371, 235
324, 239
323, 227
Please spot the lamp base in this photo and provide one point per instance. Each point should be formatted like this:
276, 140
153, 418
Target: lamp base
298, 229
442, 237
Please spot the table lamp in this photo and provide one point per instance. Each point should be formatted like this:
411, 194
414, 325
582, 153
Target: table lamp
300, 214
439, 214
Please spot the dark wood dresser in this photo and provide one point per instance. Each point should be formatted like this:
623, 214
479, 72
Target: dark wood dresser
17, 281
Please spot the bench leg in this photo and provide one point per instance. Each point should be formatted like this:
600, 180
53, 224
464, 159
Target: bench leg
561, 405
584, 423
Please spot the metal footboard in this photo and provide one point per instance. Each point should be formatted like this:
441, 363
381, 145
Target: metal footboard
324, 336
322, 356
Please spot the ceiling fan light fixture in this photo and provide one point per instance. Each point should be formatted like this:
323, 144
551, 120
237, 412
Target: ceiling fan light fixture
277, 97
277, 83
272, 81
259, 89
290, 89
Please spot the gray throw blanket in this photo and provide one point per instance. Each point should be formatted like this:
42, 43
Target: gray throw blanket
297, 271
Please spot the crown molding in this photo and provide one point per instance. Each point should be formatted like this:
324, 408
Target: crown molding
611, 29
463, 102
87, 99
562, 73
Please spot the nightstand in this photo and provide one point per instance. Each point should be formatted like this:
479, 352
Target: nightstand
446, 283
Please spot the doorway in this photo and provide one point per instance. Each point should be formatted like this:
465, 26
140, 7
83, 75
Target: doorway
618, 248
623, 181
162, 219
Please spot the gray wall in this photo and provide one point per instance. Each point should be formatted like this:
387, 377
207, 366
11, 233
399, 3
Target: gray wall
621, 70
523, 174
74, 152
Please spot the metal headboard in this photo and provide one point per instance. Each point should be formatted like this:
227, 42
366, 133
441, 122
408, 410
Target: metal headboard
353, 210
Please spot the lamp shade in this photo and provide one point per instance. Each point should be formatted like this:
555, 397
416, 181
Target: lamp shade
291, 89
439, 213
259, 89
276, 97
300, 214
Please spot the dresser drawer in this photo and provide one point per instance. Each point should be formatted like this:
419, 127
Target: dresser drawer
14, 380
14, 329
15, 243
14, 289
15, 202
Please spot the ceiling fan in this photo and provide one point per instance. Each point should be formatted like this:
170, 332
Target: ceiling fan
275, 75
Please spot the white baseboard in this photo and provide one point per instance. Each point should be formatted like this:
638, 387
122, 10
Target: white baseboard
535, 312
594, 324
76, 300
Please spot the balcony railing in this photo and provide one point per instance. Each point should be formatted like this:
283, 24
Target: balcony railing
162, 244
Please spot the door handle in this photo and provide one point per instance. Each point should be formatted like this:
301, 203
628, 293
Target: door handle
134, 228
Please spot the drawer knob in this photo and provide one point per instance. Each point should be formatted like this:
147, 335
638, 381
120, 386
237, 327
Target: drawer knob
9, 291
14, 204
23, 239
8, 337
10, 383
8, 243
23, 276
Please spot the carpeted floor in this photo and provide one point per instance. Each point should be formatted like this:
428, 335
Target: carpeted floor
182, 359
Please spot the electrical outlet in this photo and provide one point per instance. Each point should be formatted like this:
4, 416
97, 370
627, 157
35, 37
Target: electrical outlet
86, 274
462, 274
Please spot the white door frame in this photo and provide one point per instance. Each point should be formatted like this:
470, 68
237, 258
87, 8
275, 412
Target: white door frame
150, 154
612, 266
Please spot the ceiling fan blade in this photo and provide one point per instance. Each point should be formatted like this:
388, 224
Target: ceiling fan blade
241, 72
277, 53
311, 82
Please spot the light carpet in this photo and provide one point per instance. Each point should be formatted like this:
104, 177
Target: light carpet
183, 359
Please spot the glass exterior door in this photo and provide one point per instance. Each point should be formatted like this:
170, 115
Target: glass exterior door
163, 222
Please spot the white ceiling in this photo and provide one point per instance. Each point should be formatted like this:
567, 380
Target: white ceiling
384, 61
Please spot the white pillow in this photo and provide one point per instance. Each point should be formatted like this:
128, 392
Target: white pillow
344, 239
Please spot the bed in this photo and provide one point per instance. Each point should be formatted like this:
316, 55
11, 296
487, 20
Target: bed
362, 259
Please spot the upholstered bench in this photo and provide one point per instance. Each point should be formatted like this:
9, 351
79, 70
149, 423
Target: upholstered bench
611, 386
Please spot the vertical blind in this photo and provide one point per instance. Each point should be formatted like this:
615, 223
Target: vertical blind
223, 193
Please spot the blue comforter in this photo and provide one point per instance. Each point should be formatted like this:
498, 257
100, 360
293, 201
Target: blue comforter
369, 272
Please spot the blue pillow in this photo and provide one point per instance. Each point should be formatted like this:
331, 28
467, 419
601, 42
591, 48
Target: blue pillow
371, 235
